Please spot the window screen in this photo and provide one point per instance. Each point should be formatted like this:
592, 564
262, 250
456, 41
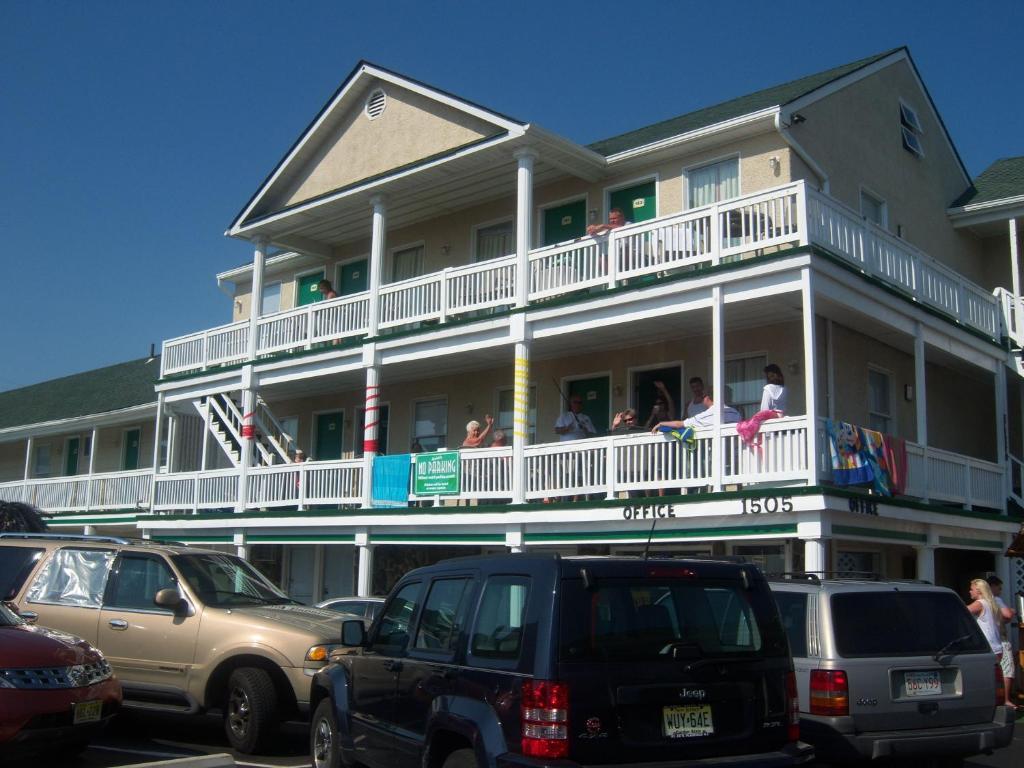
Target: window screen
73, 577
439, 626
499, 622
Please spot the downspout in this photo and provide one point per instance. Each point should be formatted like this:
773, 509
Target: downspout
783, 130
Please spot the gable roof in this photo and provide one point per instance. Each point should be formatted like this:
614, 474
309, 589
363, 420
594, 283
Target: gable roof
102, 390
1002, 180
777, 95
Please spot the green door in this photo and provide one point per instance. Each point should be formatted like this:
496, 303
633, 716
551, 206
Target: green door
328, 436
596, 399
637, 203
71, 460
305, 289
566, 222
353, 278
131, 449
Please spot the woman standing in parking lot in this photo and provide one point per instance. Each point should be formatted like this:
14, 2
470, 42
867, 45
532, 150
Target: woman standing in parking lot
985, 611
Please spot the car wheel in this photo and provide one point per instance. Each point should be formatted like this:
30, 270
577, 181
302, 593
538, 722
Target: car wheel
250, 714
461, 758
323, 737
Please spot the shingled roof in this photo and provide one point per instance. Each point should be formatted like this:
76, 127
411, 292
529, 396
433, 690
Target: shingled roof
777, 95
102, 390
1001, 180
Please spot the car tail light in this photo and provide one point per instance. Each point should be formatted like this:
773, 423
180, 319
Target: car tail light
793, 725
545, 716
830, 692
1000, 686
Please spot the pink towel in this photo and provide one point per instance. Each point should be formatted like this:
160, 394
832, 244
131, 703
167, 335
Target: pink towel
749, 429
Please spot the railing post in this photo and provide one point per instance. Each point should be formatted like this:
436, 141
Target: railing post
195, 495
611, 466
443, 287
612, 258
206, 350
810, 373
715, 235
309, 327
802, 217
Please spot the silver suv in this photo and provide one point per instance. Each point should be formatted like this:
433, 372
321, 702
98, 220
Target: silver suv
890, 669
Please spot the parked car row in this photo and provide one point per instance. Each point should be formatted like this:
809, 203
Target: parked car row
508, 660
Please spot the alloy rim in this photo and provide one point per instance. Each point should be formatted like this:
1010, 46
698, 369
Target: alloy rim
238, 712
322, 740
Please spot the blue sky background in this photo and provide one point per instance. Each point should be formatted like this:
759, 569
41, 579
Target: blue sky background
131, 133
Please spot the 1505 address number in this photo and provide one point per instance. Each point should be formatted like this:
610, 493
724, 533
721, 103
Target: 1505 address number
767, 505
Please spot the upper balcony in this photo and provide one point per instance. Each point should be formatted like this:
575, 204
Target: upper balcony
742, 228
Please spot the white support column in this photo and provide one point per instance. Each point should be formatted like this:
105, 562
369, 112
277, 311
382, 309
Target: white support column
810, 374
256, 297
93, 440
831, 369
815, 535
520, 419
921, 401
718, 390
925, 562
514, 539
524, 224
364, 577
1015, 275
377, 245
1002, 422
371, 428
89, 530
245, 464
206, 437
29, 445
156, 450
241, 546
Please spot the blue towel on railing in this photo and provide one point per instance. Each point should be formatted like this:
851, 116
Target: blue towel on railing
390, 486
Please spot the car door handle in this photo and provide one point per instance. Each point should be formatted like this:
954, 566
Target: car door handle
393, 665
119, 624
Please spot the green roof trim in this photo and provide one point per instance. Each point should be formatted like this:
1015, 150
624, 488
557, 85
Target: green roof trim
1001, 180
99, 391
744, 105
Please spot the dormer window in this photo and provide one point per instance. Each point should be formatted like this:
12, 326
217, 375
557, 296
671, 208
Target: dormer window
910, 128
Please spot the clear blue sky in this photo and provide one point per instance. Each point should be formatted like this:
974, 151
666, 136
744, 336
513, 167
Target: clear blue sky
131, 133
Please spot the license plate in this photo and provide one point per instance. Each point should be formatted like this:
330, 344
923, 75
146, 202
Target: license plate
922, 683
88, 711
684, 722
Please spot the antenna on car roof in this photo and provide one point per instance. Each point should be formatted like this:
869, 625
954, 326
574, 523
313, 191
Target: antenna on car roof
650, 535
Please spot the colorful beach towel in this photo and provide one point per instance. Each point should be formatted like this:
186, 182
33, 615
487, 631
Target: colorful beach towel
896, 458
683, 434
391, 480
849, 466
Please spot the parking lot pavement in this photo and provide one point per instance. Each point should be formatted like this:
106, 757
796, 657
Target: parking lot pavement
142, 737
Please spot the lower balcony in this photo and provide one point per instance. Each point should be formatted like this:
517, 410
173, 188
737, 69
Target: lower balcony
84, 493
598, 468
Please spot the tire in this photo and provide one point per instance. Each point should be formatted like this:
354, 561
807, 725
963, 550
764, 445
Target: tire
323, 737
250, 711
461, 758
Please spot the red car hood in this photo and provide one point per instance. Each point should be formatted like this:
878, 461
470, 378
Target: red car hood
25, 646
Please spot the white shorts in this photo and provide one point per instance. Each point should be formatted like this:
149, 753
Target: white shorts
1006, 660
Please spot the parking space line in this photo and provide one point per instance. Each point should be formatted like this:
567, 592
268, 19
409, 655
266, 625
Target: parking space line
272, 765
145, 752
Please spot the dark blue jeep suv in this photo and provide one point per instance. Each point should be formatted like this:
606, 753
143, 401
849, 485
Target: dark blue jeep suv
532, 660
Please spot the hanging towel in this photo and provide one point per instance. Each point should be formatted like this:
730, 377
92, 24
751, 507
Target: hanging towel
875, 456
749, 429
683, 434
848, 464
896, 458
391, 480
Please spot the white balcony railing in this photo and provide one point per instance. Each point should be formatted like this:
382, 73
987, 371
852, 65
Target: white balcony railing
751, 224
83, 493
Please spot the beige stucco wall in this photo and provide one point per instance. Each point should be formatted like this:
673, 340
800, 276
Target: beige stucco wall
854, 134
12, 461
108, 457
412, 127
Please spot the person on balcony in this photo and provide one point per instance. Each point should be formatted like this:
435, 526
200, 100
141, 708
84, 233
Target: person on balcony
702, 420
499, 440
616, 219
326, 290
773, 397
696, 405
664, 408
574, 424
475, 436
625, 422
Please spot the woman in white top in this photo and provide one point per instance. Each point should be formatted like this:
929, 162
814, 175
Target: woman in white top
774, 396
985, 611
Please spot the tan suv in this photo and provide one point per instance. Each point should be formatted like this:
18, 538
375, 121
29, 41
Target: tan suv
185, 629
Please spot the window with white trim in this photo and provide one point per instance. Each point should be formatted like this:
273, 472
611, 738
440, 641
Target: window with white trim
42, 461
879, 400
713, 182
406, 263
271, 301
430, 423
495, 241
744, 377
506, 408
873, 208
911, 130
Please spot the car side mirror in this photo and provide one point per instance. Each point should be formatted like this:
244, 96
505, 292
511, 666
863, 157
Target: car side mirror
169, 597
353, 633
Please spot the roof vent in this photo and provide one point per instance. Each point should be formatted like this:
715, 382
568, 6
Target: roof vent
375, 104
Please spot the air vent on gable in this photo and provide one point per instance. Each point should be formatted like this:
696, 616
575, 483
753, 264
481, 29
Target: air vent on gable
375, 104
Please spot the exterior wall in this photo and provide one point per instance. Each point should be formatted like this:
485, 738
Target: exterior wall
862, 120
12, 461
995, 260
411, 128
109, 456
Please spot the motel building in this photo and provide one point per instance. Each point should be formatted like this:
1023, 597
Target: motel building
826, 225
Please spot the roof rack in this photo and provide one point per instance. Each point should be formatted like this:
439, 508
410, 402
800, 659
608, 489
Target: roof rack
816, 577
66, 537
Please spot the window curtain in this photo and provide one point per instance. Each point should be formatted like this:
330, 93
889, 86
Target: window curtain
711, 183
406, 264
495, 242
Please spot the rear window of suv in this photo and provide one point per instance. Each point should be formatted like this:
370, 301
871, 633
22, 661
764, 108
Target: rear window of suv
913, 623
15, 565
635, 619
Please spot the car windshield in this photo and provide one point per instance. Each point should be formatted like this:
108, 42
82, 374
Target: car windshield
665, 619
905, 623
225, 581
